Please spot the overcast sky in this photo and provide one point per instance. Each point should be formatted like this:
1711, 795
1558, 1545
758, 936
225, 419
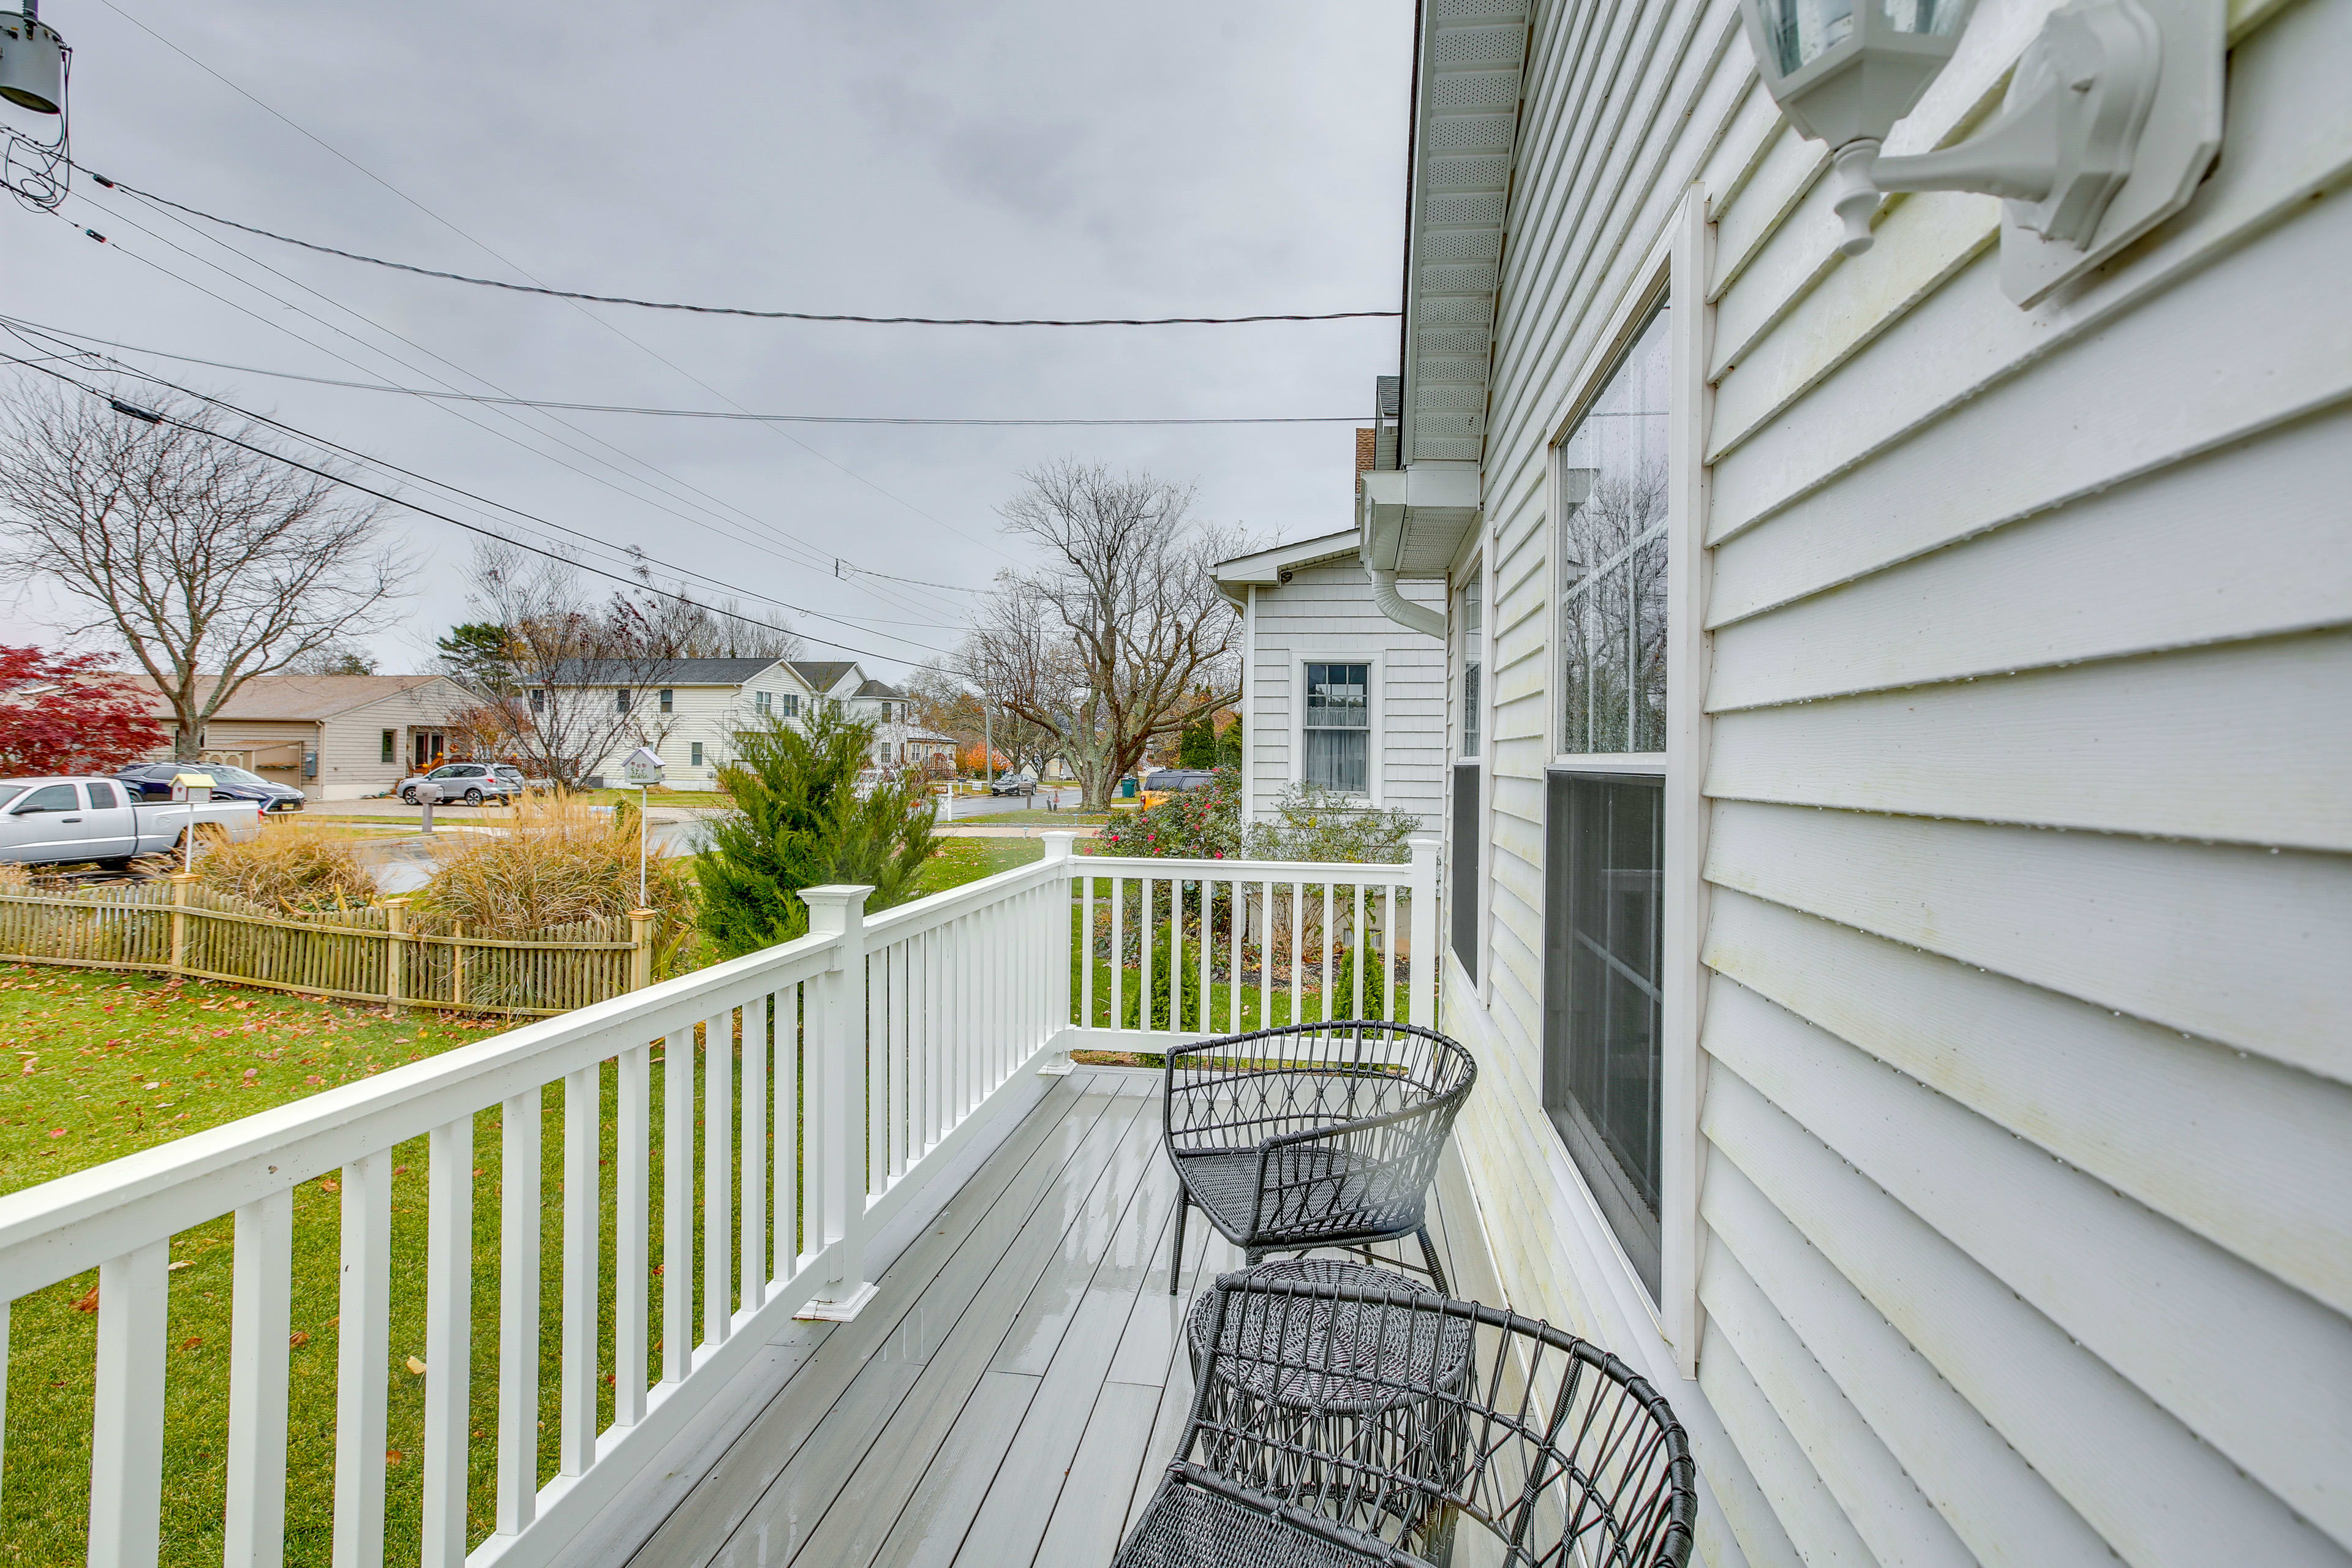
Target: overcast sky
1035, 157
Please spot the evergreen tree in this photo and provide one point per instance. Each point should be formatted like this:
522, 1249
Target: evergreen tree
800, 823
1196, 745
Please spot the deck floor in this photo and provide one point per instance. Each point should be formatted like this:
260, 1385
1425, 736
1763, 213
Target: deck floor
1014, 1393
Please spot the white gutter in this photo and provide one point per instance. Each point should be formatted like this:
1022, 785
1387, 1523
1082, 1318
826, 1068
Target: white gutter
1402, 610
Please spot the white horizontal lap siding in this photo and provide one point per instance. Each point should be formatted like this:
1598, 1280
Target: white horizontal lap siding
1326, 612
2031, 1072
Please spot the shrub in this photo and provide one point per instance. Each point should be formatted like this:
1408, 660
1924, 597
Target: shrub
1314, 824
558, 861
800, 822
287, 867
1189, 825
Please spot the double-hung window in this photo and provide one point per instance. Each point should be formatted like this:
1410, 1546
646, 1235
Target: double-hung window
763, 703
1462, 895
1605, 797
1338, 727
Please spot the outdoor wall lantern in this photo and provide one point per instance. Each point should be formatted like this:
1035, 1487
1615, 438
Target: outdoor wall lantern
2111, 116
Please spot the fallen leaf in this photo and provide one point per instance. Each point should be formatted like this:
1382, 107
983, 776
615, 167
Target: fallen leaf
298, 1338
183, 1263
191, 1342
329, 1184
416, 1367
88, 1303
395, 1457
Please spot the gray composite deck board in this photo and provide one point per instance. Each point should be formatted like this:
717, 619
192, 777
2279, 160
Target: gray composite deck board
1012, 1394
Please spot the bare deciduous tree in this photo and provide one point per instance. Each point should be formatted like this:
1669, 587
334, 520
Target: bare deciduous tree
588, 670
211, 563
1122, 636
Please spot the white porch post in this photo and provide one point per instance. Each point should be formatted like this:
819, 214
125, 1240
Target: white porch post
840, 1101
1059, 849
1420, 994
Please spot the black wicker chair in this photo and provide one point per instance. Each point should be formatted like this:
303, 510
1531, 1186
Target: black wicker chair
1313, 1134
1350, 1425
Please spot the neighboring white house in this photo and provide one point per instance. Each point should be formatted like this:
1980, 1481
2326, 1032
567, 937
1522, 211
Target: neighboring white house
1896, 861
1333, 692
689, 711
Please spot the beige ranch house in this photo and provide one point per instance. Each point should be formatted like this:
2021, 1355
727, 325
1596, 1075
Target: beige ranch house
335, 737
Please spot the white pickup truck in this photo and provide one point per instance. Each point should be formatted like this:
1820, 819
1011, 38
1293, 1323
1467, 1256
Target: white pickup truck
44, 821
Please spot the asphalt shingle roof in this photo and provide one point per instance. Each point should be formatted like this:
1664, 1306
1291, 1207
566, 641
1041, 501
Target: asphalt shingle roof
668, 672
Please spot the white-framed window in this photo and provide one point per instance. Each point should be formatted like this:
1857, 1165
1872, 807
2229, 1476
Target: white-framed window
1337, 727
1466, 856
1605, 797
621, 700
693, 753
791, 706
668, 698
763, 703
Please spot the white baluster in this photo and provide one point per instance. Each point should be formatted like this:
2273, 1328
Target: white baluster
754, 1175
785, 1008
1117, 952
840, 912
517, 1463
717, 1200
1086, 953
678, 1206
449, 1340
253, 1533
363, 1336
1424, 981
631, 1223
576, 1415
1359, 952
126, 1461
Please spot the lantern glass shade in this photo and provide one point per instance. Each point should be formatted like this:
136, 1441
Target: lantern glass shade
1848, 69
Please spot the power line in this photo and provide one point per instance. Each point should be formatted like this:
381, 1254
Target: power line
152, 416
720, 414
744, 310
851, 569
809, 557
498, 256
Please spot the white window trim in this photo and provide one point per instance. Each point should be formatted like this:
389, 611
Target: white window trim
1675, 272
1321, 650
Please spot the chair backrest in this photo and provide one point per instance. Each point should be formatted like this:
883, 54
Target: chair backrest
1361, 1406
1242, 1090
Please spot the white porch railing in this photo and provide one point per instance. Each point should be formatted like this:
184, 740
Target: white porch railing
834, 1078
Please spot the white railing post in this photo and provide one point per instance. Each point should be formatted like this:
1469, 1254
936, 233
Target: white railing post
1060, 851
126, 1470
1421, 992
839, 911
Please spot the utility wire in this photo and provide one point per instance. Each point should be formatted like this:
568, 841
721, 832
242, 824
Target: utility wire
153, 416
810, 558
745, 311
354, 454
496, 255
721, 414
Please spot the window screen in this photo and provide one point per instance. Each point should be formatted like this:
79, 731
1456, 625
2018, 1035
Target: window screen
389, 747
760, 700
792, 709
1474, 664
1609, 495
1338, 727
1461, 896
695, 759
1604, 864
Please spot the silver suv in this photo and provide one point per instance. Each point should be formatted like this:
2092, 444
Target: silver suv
472, 783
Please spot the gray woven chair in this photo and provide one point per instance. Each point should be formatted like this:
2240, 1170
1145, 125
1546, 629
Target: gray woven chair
1313, 1134
1337, 1426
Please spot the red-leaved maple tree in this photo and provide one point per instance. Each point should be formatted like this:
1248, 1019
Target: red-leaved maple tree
65, 713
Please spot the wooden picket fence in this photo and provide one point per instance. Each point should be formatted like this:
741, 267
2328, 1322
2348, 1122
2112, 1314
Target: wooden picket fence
385, 953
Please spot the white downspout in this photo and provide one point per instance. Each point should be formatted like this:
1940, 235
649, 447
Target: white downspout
1421, 619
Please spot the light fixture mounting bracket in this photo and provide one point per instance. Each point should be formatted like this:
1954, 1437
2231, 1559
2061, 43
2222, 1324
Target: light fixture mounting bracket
2112, 117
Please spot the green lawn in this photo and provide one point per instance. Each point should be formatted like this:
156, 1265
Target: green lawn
961, 861
94, 1042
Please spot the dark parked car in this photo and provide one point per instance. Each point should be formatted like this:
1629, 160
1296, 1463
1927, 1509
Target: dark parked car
153, 781
470, 781
1014, 784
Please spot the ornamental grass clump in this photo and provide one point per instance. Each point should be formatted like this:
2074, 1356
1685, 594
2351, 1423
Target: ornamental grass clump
553, 860
286, 867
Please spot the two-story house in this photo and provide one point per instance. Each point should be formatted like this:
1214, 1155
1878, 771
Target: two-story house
689, 711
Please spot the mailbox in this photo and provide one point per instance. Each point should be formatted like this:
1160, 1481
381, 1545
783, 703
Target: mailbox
191, 789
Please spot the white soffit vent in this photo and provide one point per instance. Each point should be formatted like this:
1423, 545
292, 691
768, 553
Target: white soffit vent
1471, 52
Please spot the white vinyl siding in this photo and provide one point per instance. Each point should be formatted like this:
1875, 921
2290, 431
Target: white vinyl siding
2026, 1101
1324, 614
